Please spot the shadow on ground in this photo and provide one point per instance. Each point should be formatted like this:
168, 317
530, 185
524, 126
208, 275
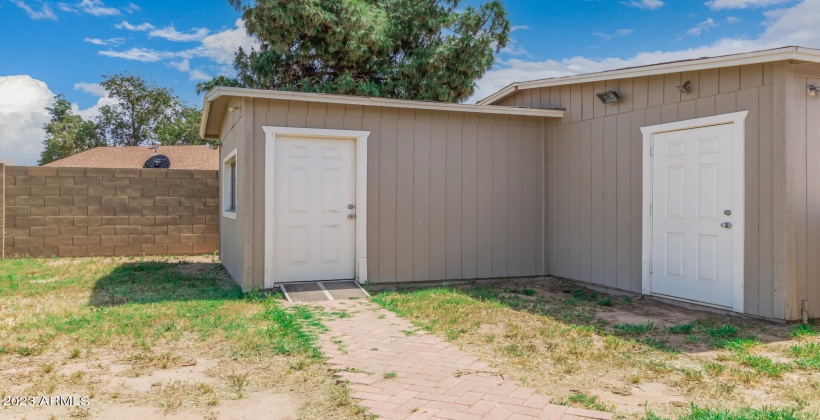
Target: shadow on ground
155, 281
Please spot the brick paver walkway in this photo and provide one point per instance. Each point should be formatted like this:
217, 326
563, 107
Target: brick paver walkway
433, 379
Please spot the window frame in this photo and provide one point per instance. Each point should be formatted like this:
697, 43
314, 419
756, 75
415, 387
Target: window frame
230, 186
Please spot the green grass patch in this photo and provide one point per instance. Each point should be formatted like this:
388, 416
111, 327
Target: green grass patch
389, 375
723, 331
682, 328
807, 355
634, 329
802, 330
765, 413
583, 400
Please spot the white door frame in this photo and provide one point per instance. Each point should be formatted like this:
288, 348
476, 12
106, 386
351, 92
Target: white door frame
271, 133
738, 223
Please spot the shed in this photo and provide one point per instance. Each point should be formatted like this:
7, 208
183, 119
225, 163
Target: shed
696, 181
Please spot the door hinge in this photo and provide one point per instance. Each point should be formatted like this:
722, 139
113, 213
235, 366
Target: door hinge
650, 266
651, 150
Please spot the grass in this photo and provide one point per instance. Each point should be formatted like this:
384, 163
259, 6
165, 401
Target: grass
74, 319
559, 339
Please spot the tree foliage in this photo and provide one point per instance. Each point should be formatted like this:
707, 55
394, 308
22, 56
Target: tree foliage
67, 133
408, 49
141, 112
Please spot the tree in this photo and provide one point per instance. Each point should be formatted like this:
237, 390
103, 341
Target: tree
141, 112
66, 133
408, 49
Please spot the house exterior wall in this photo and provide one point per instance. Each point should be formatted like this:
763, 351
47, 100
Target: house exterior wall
451, 195
78, 212
803, 125
231, 250
594, 170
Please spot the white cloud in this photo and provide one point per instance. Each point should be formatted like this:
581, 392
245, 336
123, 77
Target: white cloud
742, 4
23, 102
732, 19
132, 8
790, 26
146, 55
198, 75
142, 27
110, 41
518, 27
93, 111
645, 4
97, 8
183, 65
65, 7
702, 27
617, 34
93, 88
222, 46
45, 11
171, 34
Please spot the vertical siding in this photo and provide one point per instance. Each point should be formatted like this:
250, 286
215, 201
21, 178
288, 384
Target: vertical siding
595, 173
230, 231
804, 113
450, 196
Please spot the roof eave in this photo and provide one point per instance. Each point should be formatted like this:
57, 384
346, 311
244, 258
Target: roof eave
779, 54
221, 91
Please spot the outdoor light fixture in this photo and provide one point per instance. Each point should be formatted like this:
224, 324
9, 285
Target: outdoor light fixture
812, 89
154, 145
608, 97
685, 87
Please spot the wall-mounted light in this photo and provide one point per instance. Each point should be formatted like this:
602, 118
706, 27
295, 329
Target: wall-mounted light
812, 90
685, 87
608, 97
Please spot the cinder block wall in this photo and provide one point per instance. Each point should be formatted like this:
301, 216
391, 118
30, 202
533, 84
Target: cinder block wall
73, 212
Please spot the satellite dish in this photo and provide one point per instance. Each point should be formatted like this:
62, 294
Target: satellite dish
158, 161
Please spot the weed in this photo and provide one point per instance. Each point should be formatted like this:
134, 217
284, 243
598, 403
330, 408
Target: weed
802, 330
389, 375
762, 364
587, 401
606, 301
634, 329
529, 292
75, 353
682, 328
724, 331
714, 369
808, 355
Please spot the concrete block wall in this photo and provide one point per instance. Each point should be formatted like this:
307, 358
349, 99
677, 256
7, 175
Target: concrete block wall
74, 212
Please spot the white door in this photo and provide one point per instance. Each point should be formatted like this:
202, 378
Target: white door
693, 207
314, 194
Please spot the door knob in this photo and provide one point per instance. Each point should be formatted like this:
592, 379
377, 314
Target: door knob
726, 225
351, 216
727, 212
350, 206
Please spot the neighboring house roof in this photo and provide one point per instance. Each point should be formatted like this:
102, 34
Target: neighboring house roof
182, 157
217, 101
802, 54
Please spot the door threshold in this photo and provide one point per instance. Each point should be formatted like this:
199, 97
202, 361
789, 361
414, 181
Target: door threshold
325, 290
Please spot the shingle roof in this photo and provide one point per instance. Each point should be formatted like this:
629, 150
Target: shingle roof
182, 157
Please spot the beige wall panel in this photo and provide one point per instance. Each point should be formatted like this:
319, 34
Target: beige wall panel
655, 92
610, 201
623, 198
709, 82
799, 136
371, 123
637, 120
640, 91
469, 201
587, 98
748, 99
584, 204
729, 79
612, 109
387, 198
515, 198
671, 94
484, 207
576, 105
765, 250
438, 200
625, 89
500, 175
421, 200
597, 210
813, 201
453, 204
405, 146
531, 216
598, 107
751, 76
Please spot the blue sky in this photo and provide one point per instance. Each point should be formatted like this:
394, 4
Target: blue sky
54, 47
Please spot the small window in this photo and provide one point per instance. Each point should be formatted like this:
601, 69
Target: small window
229, 185
232, 205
